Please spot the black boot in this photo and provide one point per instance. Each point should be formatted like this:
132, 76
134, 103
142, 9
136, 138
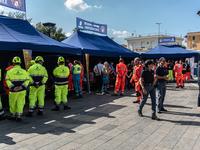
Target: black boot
57, 108
66, 107
40, 113
30, 114
140, 113
154, 117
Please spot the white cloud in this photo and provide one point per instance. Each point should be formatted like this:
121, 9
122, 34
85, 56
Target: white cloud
1, 8
68, 34
121, 34
77, 5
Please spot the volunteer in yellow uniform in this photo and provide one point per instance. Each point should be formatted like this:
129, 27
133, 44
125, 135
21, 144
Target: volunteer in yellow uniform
38, 78
17, 80
61, 74
2, 117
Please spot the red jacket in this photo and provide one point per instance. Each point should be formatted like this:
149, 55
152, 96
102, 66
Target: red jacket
178, 68
137, 72
70, 65
121, 69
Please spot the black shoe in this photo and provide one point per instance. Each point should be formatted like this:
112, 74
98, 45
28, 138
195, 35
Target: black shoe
11, 118
2, 117
181, 86
163, 109
30, 114
140, 113
136, 101
18, 119
154, 117
66, 107
121, 94
177, 87
40, 113
159, 112
57, 108
114, 95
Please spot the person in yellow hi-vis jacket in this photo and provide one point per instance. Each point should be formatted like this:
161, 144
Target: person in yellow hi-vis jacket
38, 78
17, 80
61, 74
2, 117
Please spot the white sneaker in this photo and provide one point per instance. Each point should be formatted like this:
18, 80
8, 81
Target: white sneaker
103, 93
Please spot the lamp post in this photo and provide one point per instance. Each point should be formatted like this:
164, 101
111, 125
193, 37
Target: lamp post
49, 24
198, 103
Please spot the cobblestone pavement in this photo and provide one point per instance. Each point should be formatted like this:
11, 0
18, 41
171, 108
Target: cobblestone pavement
107, 122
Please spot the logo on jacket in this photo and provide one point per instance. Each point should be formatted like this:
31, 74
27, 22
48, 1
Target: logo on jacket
16, 3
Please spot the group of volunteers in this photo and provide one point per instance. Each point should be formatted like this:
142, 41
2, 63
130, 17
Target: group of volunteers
18, 81
145, 76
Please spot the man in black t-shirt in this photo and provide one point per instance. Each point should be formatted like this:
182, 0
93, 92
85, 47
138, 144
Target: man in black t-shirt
183, 74
188, 69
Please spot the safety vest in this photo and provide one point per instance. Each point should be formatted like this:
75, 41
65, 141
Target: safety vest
38, 73
17, 77
178, 68
105, 69
77, 69
61, 74
121, 69
137, 72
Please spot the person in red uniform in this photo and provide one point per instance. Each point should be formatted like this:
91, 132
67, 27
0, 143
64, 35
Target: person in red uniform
82, 73
10, 66
178, 73
70, 83
121, 71
136, 77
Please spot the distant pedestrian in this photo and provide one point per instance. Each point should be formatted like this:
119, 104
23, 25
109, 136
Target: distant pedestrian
170, 70
147, 83
188, 69
161, 75
98, 74
105, 71
129, 75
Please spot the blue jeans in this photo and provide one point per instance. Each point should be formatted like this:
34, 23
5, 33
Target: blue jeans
76, 83
150, 90
161, 89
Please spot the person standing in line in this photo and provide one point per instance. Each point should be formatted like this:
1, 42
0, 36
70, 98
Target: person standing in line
61, 74
147, 83
105, 71
183, 74
188, 70
17, 80
170, 69
82, 73
70, 82
136, 77
112, 75
128, 76
38, 78
161, 76
76, 79
121, 71
178, 68
97, 70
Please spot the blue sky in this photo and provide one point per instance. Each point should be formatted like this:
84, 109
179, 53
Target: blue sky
122, 17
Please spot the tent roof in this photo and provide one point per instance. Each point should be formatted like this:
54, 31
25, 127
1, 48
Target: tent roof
98, 45
17, 34
168, 51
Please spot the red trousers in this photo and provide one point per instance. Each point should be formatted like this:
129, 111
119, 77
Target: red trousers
183, 79
178, 79
138, 90
188, 76
120, 83
70, 85
81, 82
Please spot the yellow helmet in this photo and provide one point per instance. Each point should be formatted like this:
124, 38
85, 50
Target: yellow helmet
61, 59
39, 58
16, 60
32, 62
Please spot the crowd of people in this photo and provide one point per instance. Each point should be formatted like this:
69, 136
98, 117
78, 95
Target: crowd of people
146, 77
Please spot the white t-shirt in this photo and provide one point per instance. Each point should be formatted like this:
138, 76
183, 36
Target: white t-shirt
98, 68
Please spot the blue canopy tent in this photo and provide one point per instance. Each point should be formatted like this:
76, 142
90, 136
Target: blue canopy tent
169, 51
96, 45
17, 34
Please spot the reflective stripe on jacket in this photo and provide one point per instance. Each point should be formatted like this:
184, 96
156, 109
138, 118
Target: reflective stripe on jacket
61, 74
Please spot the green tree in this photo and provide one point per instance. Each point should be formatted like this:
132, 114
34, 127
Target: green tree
17, 14
75, 29
55, 33
182, 46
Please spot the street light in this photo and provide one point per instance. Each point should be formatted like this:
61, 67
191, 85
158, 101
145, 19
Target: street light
49, 24
158, 28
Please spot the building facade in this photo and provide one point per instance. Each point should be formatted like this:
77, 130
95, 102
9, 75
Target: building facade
193, 40
145, 43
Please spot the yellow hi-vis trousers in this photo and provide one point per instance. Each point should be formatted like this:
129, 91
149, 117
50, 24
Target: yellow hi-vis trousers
1, 108
16, 103
61, 92
34, 95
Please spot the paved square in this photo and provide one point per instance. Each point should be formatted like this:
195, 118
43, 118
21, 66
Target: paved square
106, 123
